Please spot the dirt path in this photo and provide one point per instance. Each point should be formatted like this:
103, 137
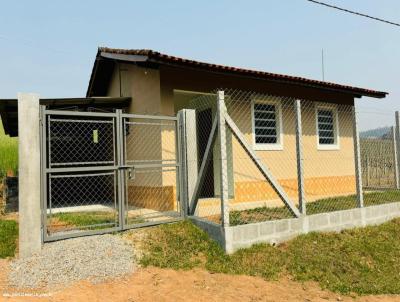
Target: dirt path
167, 285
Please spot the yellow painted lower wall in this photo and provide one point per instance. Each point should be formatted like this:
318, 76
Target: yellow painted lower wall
154, 198
315, 188
164, 198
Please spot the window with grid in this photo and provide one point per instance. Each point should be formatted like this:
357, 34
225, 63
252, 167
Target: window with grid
266, 125
326, 127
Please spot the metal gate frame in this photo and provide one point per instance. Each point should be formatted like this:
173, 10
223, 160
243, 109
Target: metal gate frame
119, 167
123, 117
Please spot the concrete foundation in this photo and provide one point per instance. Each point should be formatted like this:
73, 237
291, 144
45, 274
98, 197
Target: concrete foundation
234, 238
30, 236
215, 231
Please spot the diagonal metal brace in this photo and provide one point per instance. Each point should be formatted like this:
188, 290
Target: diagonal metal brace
263, 169
200, 179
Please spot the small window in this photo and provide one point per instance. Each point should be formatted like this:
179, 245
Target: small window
327, 126
266, 125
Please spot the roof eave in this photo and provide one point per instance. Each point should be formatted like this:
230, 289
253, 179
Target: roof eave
155, 57
102, 55
92, 75
379, 95
124, 57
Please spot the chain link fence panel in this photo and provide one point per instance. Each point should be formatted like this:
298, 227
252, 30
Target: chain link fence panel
205, 158
81, 191
329, 157
152, 192
268, 125
379, 146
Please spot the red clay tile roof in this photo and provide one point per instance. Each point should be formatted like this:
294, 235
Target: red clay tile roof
154, 56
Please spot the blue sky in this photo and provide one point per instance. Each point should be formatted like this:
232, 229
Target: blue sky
49, 46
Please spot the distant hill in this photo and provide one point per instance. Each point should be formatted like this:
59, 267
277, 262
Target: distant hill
383, 132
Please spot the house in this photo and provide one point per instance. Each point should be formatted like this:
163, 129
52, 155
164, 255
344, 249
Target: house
164, 84
149, 82
141, 148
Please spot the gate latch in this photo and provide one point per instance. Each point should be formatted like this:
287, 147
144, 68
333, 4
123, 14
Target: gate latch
131, 171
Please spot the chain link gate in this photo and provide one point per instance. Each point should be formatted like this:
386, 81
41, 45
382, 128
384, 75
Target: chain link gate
104, 172
152, 179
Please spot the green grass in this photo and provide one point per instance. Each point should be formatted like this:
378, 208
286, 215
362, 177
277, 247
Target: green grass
259, 214
350, 202
90, 220
85, 219
8, 153
316, 207
362, 261
8, 238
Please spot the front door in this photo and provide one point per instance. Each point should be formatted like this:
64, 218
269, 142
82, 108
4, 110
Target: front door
204, 125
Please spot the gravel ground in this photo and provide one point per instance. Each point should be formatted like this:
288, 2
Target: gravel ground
93, 258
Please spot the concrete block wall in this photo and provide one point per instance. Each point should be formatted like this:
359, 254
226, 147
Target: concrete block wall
234, 238
215, 231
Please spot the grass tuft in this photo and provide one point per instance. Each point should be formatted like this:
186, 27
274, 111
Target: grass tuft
8, 238
93, 220
365, 261
180, 246
83, 219
8, 153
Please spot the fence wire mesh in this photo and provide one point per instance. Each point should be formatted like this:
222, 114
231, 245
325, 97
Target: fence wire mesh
203, 146
258, 164
79, 202
251, 197
268, 125
262, 120
80, 141
379, 146
152, 186
110, 171
329, 157
79, 198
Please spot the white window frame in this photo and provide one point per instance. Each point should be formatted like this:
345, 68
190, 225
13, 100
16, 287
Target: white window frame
334, 109
268, 147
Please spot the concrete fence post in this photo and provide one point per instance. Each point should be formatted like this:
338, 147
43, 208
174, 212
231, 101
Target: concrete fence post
29, 164
397, 148
299, 155
182, 175
189, 162
223, 159
120, 161
395, 163
357, 160
367, 170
